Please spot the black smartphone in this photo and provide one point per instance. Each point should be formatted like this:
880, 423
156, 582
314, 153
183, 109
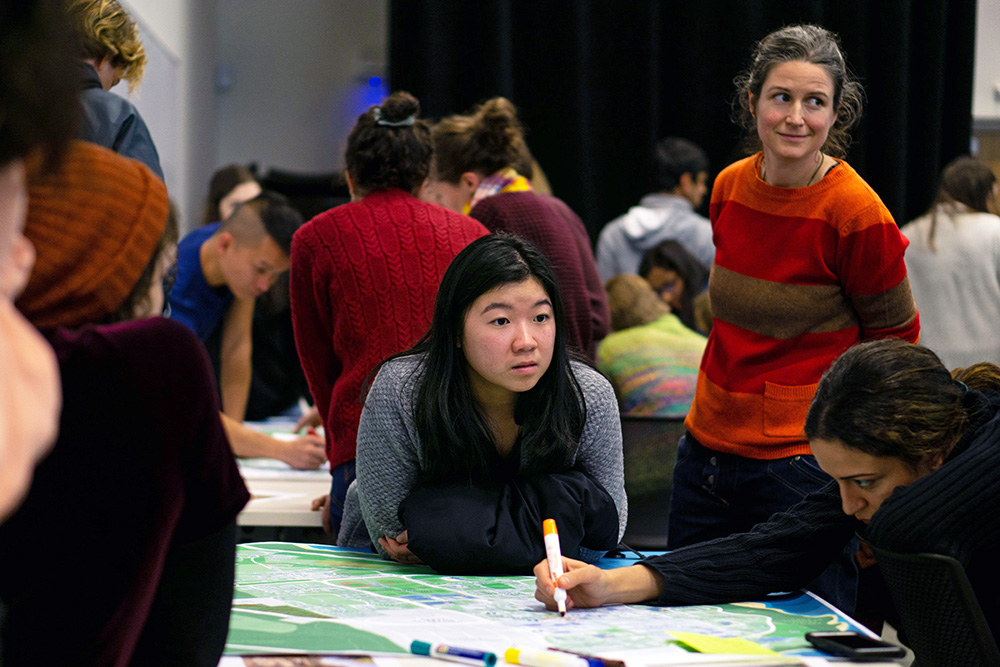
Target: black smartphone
854, 645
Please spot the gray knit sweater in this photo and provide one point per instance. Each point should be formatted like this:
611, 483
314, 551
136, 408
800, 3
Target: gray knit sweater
390, 454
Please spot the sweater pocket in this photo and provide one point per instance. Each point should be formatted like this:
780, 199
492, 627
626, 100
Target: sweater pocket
785, 409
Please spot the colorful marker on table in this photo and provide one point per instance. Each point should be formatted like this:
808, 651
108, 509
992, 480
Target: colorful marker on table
554, 556
534, 658
454, 653
593, 660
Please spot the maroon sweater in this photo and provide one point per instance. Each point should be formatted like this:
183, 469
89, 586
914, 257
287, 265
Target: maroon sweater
141, 466
559, 233
364, 278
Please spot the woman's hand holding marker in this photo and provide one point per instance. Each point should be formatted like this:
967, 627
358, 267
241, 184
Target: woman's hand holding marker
589, 586
554, 558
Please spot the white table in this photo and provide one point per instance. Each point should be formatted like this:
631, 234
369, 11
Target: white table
283, 502
279, 495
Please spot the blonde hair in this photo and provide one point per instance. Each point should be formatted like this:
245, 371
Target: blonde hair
633, 302
105, 30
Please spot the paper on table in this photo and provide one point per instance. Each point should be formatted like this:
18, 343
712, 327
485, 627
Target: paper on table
263, 468
729, 645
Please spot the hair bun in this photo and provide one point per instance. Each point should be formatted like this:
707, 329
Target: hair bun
500, 132
399, 106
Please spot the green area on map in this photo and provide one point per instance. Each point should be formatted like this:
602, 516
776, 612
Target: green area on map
314, 599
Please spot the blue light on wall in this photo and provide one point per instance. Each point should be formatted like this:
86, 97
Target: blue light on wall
366, 93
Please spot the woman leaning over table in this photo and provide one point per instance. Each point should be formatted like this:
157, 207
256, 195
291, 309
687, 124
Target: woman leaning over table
808, 263
914, 452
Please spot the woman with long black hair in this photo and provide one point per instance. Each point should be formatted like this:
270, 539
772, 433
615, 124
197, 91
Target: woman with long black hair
487, 424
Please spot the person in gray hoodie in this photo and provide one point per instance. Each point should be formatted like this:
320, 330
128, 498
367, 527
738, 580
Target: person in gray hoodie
681, 172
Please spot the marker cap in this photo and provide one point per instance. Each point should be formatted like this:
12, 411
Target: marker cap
549, 527
420, 648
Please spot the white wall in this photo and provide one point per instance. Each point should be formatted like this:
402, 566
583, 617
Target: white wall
176, 97
986, 82
289, 74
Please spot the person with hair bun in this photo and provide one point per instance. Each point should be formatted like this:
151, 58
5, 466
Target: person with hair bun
954, 265
364, 275
914, 453
476, 162
109, 50
808, 263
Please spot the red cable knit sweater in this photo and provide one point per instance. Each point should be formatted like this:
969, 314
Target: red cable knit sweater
364, 277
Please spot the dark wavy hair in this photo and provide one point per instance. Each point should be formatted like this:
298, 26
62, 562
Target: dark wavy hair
489, 139
457, 438
892, 398
809, 44
672, 256
386, 149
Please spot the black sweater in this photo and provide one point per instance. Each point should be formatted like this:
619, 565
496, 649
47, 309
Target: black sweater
955, 510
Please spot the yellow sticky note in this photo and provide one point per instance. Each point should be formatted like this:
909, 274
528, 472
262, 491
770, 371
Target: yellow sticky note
731, 645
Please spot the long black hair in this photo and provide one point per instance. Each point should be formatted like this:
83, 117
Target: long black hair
458, 441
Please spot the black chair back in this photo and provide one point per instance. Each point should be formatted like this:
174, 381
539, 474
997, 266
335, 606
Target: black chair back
650, 448
940, 617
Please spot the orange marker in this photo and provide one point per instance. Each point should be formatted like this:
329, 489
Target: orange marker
554, 556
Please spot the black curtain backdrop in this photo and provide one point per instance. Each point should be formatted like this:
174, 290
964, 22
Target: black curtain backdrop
597, 83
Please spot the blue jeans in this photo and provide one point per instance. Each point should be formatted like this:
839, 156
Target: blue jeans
717, 494
343, 475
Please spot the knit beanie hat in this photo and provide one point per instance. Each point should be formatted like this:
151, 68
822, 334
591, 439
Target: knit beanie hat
95, 223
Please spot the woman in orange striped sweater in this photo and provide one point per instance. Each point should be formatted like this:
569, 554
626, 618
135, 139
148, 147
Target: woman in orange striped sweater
808, 263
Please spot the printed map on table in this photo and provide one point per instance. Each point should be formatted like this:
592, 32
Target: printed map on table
316, 599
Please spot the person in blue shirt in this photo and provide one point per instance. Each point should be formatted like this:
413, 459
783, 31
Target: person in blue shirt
221, 269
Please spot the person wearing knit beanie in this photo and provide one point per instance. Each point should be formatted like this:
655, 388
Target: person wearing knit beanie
141, 455
95, 223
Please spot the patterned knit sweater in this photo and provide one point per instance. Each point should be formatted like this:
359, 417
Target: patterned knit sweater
559, 233
653, 367
800, 275
364, 277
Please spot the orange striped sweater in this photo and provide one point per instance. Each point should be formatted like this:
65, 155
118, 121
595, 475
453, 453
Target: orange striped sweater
800, 275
